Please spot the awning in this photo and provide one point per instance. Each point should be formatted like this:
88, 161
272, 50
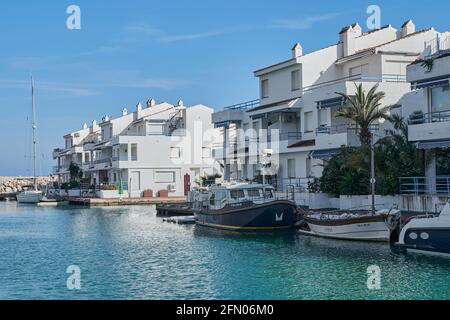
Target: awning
325, 154
429, 83
259, 116
330, 103
223, 124
433, 145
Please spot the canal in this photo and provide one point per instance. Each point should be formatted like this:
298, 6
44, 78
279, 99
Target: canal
129, 253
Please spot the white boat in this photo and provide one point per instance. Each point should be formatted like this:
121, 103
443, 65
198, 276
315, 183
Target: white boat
428, 234
32, 196
361, 226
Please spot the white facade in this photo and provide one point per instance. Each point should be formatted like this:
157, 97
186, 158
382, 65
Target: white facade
298, 101
427, 110
158, 147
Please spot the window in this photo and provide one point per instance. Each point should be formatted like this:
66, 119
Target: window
134, 154
440, 99
206, 153
295, 80
155, 129
253, 193
309, 125
323, 117
268, 194
87, 157
115, 177
292, 174
359, 70
165, 177
265, 88
175, 153
237, 194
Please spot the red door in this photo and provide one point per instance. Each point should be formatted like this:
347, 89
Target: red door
187, 184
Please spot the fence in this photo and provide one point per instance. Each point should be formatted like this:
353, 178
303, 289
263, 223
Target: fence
425, 185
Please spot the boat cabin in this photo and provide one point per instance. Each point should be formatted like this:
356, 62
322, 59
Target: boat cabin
219, 196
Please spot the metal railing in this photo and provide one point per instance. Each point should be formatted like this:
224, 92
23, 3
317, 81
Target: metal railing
101, 161
295, 185
437, 46
326, 130
425, 185
440, 116
244, 105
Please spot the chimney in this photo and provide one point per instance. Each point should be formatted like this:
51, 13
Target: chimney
85, 126
347, 38
124, 111
297, 51
105, 119
180, 103
151, 103
138, 111
408, 28
94, 126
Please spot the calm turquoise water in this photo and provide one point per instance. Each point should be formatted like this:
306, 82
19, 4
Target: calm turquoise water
128, 253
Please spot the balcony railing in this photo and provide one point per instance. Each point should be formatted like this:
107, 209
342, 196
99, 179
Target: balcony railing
244, 105
425, 185
102, 161
294, 184
441, 116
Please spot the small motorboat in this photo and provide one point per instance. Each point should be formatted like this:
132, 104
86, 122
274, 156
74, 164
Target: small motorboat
349, 225
243, 207
427, 234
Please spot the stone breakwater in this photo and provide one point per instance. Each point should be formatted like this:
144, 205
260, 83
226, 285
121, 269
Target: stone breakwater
18, 184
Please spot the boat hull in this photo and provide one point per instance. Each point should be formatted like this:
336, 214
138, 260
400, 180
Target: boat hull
272, 216
30, 197
363, 229
429, 241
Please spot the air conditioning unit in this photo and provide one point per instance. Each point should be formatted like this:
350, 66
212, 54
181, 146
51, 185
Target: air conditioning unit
171, 188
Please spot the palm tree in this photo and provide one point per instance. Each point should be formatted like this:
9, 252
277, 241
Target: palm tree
399, 124
364, 110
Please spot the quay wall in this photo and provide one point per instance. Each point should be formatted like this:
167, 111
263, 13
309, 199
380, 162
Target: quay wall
413, 204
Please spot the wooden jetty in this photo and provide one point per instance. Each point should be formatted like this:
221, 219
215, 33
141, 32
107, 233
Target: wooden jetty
174, 210
95, 202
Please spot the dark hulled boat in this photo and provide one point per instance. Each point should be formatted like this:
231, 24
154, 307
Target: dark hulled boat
244, 207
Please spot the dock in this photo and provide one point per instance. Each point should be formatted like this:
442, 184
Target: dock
8, 196
184, 209
96, 202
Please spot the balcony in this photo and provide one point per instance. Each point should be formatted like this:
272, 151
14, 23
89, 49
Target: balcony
60, 169
429, 126
425, 186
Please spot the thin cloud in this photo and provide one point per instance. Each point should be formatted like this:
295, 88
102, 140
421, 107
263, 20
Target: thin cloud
54, 87
140, 32
302, 23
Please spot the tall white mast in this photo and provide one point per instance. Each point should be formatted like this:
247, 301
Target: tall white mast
33, 108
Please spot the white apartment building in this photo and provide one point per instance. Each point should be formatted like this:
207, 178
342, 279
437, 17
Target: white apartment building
295, 114
427, 109
157, 147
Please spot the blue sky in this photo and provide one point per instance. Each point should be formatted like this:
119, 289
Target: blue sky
128, 51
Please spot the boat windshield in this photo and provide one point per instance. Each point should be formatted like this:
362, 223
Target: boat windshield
237, 194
